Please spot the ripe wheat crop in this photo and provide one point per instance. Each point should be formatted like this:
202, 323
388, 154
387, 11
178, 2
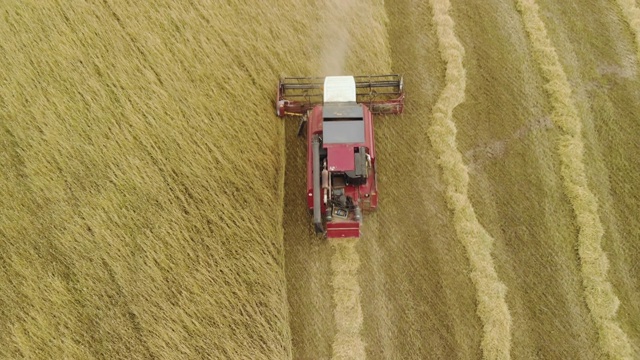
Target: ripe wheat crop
144, 167
153, 206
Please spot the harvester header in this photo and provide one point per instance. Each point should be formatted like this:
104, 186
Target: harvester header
382, 94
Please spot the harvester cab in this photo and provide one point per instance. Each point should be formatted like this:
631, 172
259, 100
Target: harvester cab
341, 160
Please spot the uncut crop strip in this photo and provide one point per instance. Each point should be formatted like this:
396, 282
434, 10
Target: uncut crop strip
345, 262
492, 306
600, 297
632, 16
144, 176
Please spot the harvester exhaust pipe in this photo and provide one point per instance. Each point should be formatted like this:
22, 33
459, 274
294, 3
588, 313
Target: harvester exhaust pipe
317, 218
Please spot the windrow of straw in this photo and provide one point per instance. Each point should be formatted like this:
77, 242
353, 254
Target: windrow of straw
632, 16
600, 297
491, 292
345, 262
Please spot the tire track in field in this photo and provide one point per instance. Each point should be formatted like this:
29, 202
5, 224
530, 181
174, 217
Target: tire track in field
631, 14
345, 262
492, 307
600, 297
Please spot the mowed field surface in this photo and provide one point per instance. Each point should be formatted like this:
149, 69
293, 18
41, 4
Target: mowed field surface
154, 206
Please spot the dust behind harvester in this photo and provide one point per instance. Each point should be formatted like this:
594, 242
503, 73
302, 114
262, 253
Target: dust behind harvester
341, 157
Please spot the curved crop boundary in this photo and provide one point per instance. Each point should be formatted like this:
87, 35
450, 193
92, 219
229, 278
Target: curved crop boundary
492, 307
631, 14
600, 297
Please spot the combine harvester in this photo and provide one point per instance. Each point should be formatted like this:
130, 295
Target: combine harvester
341, 157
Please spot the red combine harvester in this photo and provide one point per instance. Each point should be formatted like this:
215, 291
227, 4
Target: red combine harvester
341, 157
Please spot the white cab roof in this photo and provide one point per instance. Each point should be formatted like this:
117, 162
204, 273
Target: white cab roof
339, 89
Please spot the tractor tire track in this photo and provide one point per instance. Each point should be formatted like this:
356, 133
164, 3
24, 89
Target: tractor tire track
632, 16
600, 296
491, 292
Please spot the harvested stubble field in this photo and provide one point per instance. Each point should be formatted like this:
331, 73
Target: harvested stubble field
153, 206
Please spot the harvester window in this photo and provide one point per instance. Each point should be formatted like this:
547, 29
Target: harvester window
343, 132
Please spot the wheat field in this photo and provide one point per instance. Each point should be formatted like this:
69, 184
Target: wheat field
153, 206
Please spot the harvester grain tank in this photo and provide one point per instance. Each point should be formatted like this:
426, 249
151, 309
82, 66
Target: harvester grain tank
341, 157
